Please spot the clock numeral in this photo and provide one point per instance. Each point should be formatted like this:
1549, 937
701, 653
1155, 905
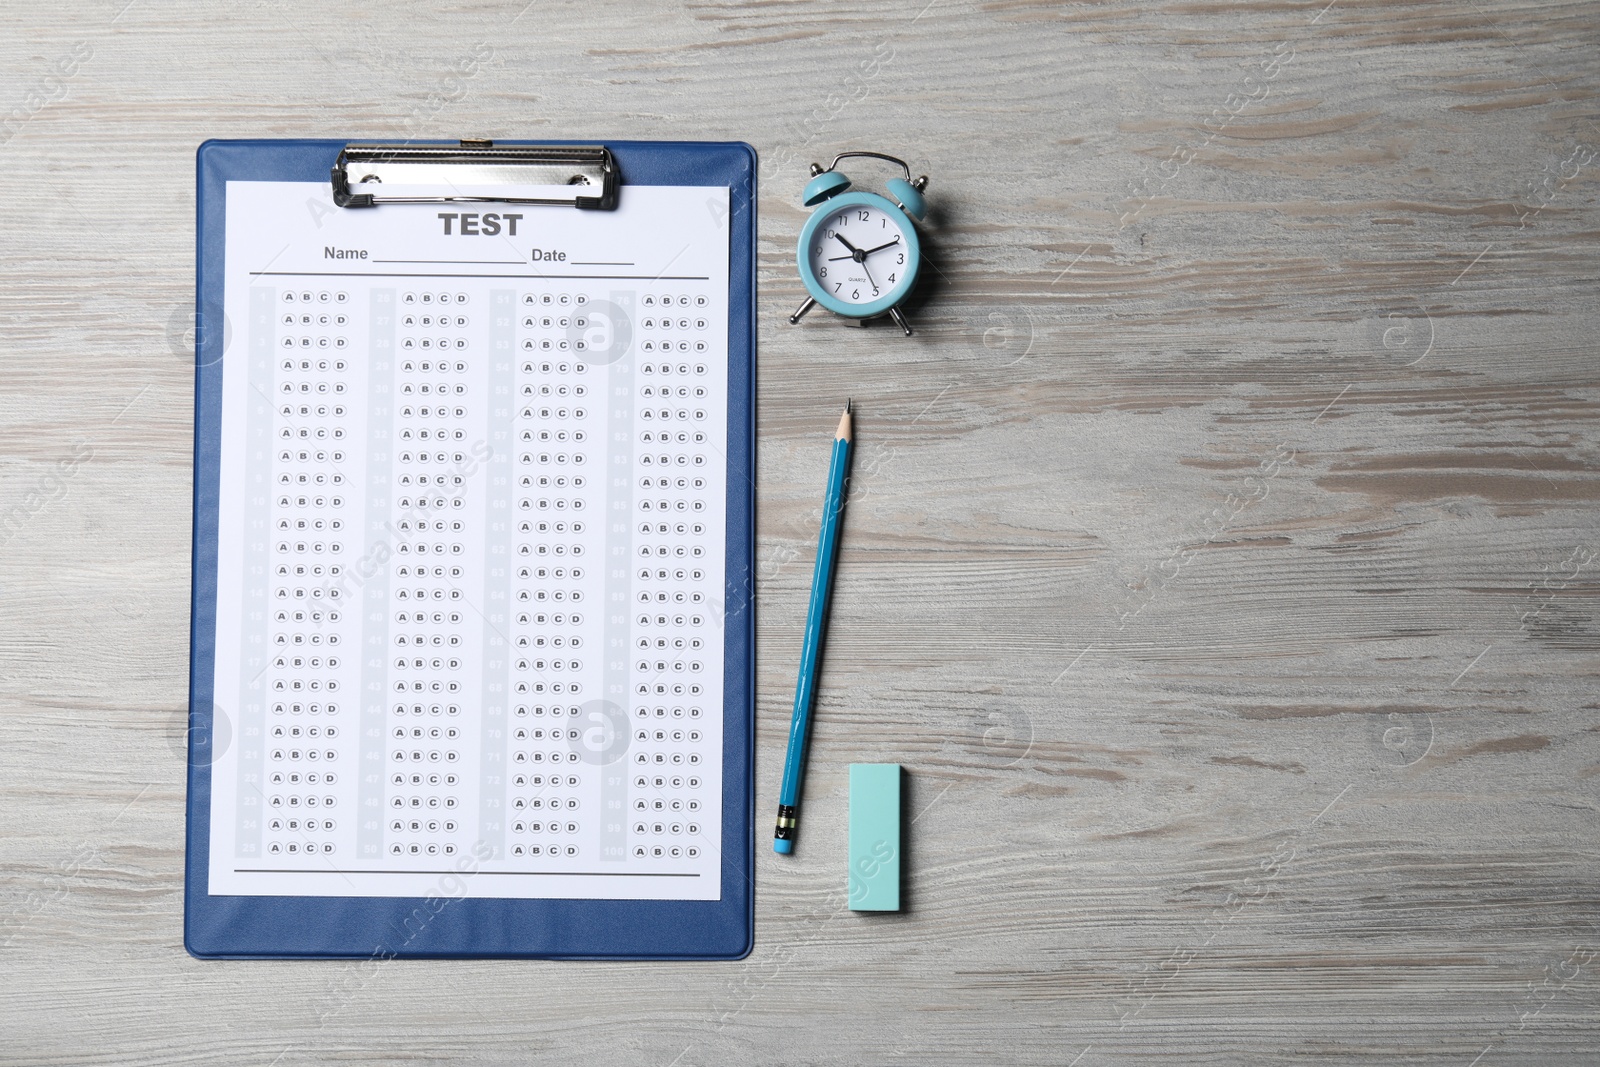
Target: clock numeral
836, 286
891, 279
823, 271
901, 258
862, 215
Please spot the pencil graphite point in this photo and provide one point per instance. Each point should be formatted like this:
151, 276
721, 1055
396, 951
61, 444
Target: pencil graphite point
846, 424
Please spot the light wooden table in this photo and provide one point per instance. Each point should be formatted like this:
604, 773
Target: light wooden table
1222, 564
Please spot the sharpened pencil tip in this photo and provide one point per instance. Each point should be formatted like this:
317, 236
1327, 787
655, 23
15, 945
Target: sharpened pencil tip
846, 429
849, 406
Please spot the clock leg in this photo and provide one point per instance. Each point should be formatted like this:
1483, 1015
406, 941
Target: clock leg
794, 320
900, 320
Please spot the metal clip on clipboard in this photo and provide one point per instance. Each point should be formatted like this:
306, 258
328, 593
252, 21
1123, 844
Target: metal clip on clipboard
580, 176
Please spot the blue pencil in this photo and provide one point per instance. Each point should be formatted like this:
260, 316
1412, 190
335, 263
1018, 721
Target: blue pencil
805, 690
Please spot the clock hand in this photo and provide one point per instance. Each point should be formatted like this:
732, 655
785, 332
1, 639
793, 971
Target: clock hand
869, 275
847, 244
836, 259
880, 248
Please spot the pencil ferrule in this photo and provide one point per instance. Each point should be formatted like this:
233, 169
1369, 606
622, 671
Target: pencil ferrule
788, 819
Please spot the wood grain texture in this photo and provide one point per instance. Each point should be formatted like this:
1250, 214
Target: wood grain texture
1221, 563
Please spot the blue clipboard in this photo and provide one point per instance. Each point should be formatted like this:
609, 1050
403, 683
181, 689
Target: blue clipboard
249, 927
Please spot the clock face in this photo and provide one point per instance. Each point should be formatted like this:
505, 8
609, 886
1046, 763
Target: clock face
859, 254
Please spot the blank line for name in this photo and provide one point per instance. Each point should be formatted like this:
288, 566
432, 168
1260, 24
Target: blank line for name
525, 277
584, 874
470, 262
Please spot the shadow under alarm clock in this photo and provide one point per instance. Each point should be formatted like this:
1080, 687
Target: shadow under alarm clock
858, 253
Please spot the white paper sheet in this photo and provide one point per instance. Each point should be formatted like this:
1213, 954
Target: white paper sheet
471, 548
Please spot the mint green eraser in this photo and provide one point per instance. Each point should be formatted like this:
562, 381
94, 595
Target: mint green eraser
874, 837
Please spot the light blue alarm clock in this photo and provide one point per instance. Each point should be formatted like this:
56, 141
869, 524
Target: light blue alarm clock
858, 253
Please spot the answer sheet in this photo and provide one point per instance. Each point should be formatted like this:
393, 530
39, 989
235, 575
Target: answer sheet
472, 547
